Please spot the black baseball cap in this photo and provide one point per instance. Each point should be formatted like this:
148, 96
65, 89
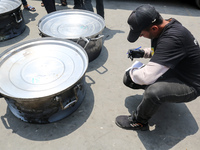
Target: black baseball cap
140, 19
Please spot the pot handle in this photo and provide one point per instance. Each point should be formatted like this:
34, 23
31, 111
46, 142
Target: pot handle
16, 19
84, 39
87, 40
59, 98
97, 38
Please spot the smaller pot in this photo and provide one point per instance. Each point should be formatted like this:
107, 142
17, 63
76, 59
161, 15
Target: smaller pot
81, 26
11, 18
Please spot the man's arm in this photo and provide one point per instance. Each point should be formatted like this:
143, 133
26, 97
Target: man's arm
148, 74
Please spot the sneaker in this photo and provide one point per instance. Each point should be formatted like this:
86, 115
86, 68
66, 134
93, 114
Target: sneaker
129, 123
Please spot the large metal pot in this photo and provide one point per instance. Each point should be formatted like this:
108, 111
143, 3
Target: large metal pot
81, 26
43, 80
11, 19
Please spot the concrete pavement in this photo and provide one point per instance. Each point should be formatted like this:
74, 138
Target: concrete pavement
92, 126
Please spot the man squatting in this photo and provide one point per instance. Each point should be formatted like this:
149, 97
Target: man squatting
173, 72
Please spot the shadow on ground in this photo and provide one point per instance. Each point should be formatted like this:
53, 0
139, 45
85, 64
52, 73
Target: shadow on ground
98, 63
169, 126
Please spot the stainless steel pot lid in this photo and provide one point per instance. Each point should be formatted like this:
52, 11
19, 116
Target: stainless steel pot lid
9, 5
71, 24
41, 67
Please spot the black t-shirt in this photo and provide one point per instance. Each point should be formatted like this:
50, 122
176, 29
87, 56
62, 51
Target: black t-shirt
177, 49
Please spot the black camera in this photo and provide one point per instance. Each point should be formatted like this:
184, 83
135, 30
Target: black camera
135, 53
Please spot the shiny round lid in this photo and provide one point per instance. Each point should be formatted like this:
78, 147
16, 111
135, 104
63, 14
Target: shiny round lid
9, 5
71, 24
43, 67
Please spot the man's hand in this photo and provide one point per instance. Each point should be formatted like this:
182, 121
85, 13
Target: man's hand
135, 53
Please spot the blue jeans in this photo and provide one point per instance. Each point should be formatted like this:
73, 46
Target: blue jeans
49, 5
24, 2
87, 5
100, 7
166, 89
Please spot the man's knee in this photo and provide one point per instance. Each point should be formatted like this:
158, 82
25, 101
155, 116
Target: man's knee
127, 79
153, 93
128, 82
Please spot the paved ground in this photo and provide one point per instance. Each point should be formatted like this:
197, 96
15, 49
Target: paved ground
92, 126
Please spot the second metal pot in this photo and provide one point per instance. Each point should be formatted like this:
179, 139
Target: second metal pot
81, 26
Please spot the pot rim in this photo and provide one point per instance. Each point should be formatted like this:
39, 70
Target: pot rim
16, 48
12, 10
98, 17
49, 97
